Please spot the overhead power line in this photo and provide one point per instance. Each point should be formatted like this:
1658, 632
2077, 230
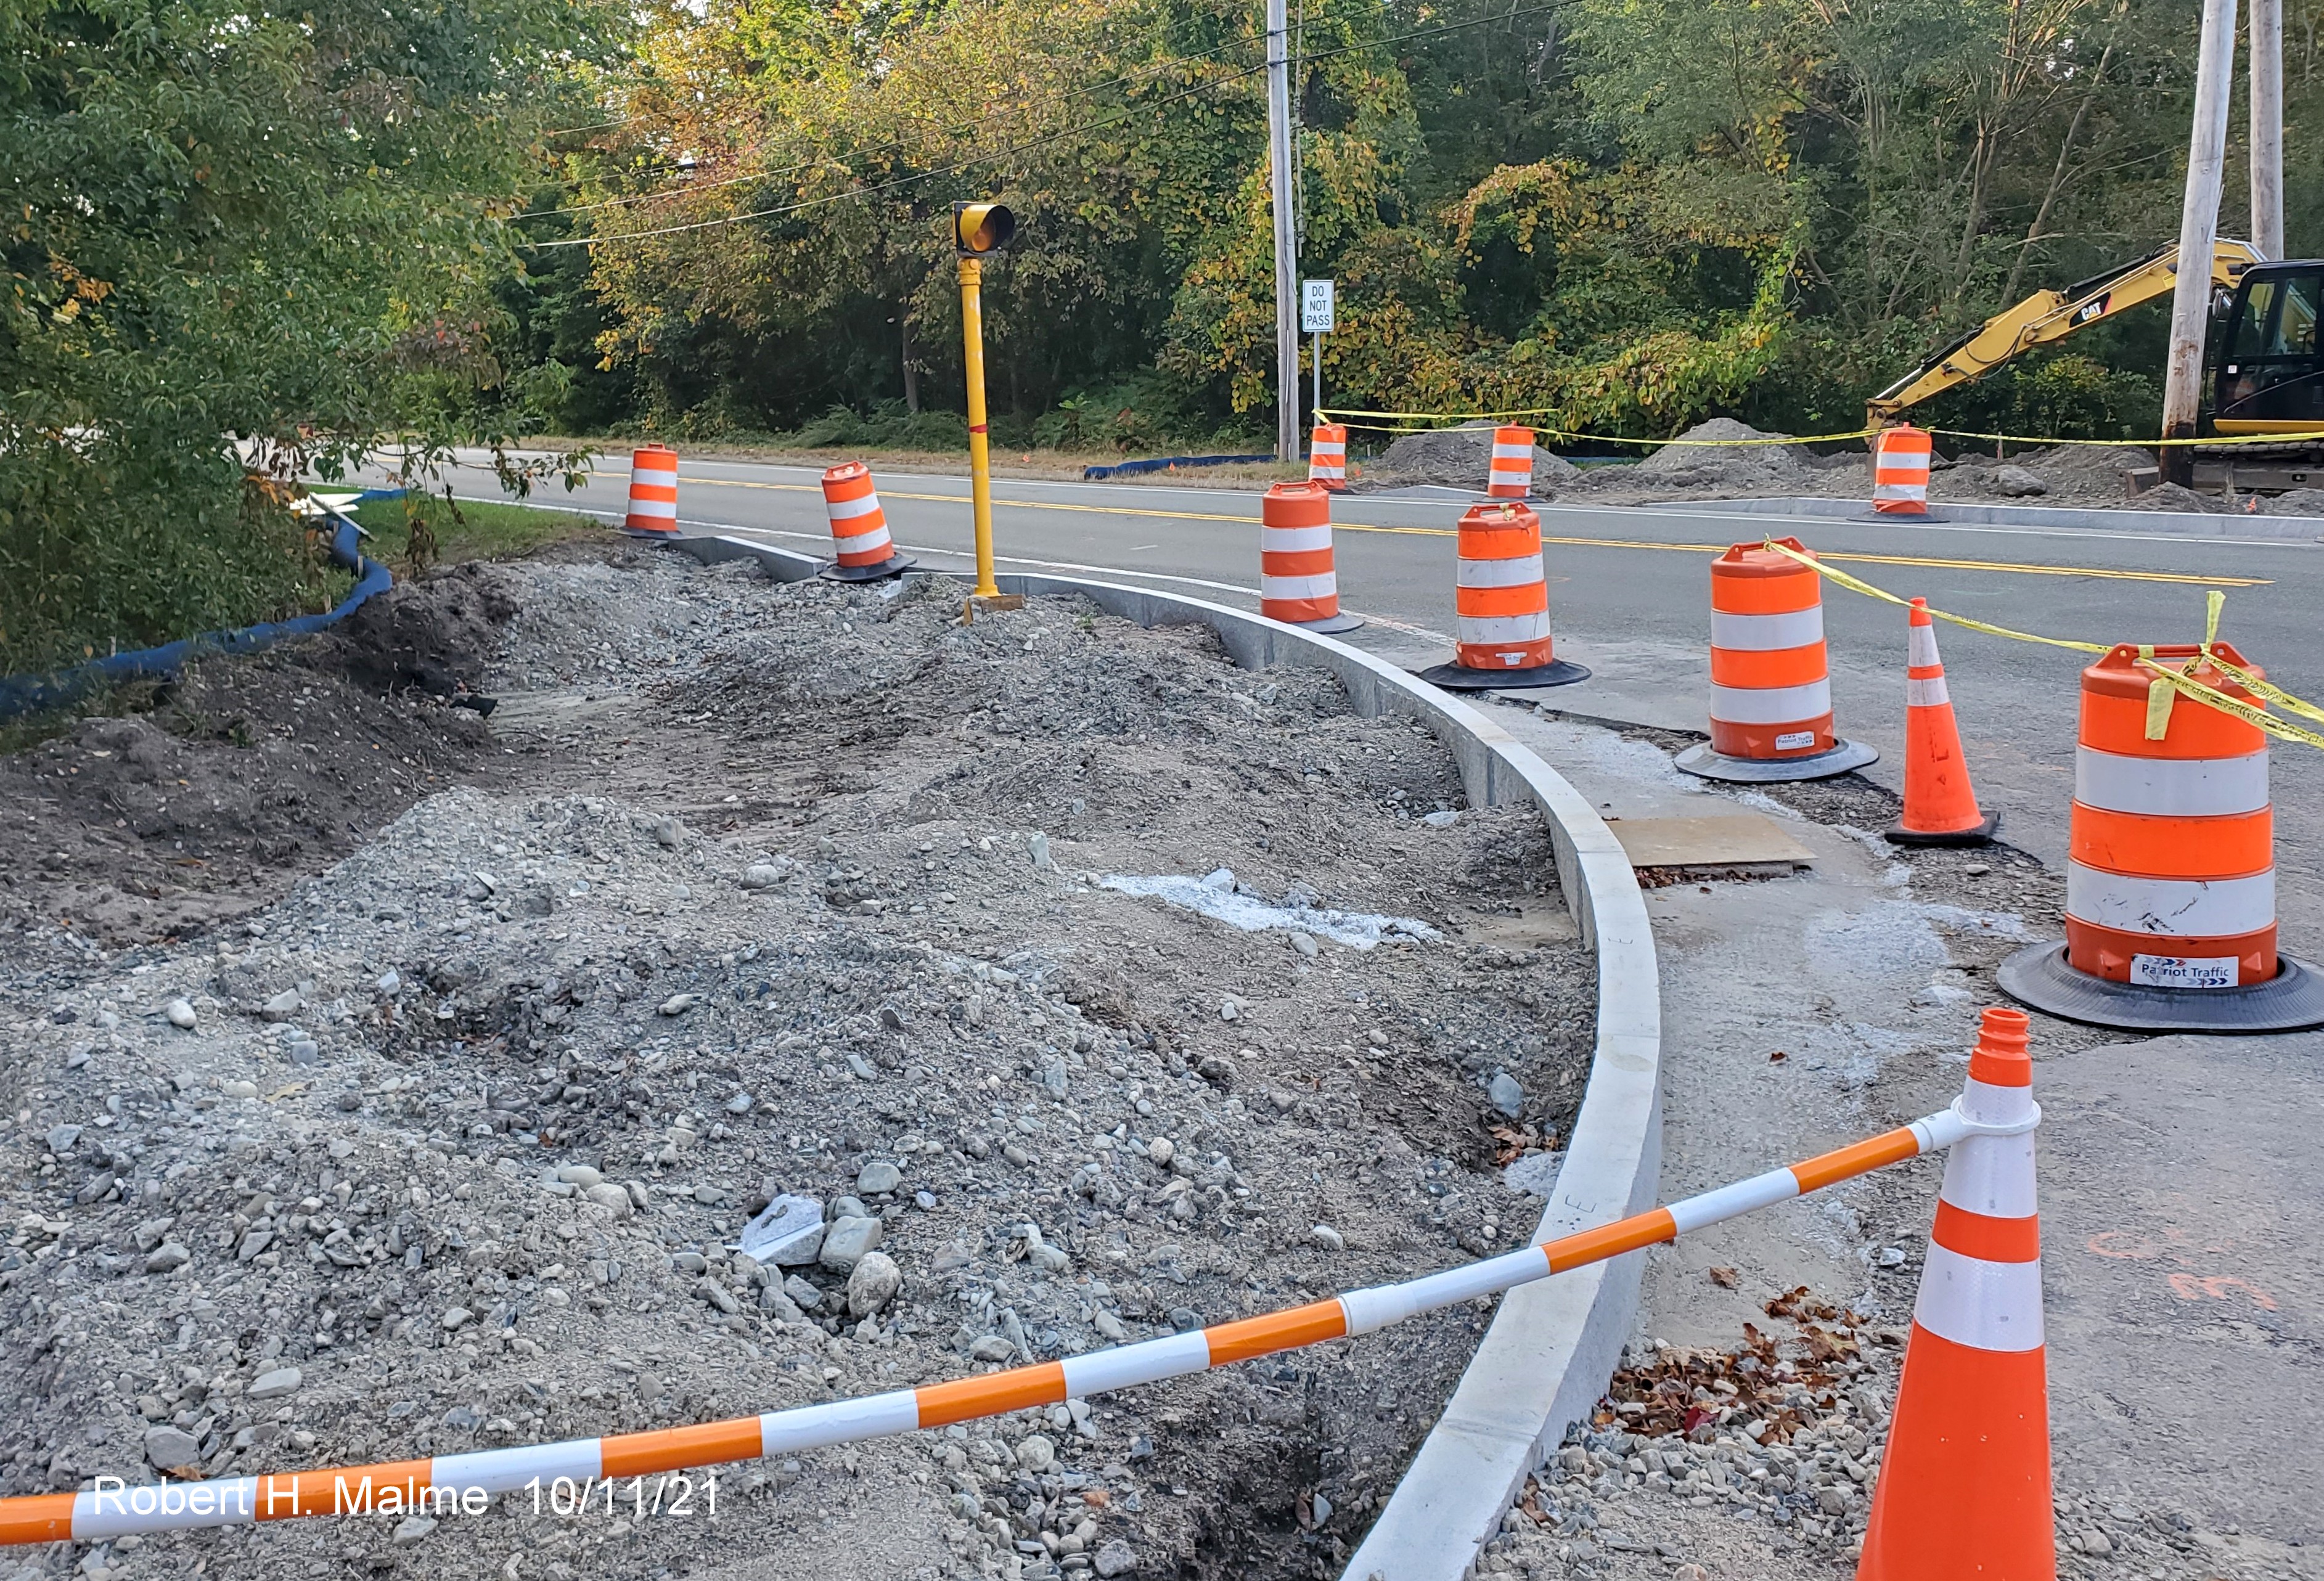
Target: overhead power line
625, 120
1091, 92
1068, 132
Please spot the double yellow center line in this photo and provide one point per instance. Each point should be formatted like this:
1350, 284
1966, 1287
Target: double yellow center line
2011, 567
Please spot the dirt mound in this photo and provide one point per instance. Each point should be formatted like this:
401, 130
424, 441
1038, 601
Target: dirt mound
1725, 454
2108, 461
2173, 496
436, 634
1459, 458
2294, 502
208, 796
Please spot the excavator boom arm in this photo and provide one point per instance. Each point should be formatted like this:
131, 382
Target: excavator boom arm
2046, 316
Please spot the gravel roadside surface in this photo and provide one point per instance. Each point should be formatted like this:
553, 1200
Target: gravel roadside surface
749, 893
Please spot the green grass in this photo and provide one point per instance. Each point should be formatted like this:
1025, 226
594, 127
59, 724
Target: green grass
477, 531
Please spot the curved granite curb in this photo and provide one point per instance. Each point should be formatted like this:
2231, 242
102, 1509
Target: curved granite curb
1552, 1345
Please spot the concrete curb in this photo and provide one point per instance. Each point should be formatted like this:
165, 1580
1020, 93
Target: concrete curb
1552, 1347
2179, 523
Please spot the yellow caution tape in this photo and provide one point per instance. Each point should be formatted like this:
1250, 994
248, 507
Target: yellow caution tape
2169, 683
1856, 585
1432, 421
1441, 418
2133, 444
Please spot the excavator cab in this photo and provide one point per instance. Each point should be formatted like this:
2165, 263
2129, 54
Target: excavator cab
2269, 376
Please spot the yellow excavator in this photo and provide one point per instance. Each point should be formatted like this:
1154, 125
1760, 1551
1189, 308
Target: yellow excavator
2265, 367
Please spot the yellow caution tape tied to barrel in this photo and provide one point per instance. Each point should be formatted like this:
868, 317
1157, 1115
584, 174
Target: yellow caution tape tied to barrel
2170, 682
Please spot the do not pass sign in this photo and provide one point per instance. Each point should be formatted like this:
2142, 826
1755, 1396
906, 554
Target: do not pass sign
1315, 307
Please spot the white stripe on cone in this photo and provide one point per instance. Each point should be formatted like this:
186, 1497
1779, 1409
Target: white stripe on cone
1273, 588
654, 508
1770, 705
1921, 646
654, 477
2171, 908
1996, 1181
1294, 541
1524, 571
1987, 1306
1766, 633
2171, 788
1484, 631
1926, 693
849, 509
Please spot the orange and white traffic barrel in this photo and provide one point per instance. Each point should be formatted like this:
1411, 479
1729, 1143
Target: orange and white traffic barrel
1327, 456
1500, 596
1510, 475
1297, 582
653, 492
859, 528
1771, 716
1900, 471
1965, 1486
2171, 872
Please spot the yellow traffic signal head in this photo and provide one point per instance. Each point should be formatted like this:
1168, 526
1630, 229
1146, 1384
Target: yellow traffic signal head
979, 229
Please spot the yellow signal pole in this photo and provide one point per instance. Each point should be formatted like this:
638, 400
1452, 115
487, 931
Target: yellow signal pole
979, 230
980, 448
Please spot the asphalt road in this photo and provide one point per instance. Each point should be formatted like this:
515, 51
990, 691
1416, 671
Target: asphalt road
1629, 599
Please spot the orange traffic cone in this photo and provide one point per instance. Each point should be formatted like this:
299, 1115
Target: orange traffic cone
1939, 804
1964, 1488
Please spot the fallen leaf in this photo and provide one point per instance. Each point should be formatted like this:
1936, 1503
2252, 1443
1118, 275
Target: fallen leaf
1777, 1057
1724, 1278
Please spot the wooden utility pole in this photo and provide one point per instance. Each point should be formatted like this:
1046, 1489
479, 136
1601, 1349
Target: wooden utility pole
2267, 126
2199, 229
1286, 246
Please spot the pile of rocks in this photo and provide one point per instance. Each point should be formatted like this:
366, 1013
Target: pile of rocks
461, 1144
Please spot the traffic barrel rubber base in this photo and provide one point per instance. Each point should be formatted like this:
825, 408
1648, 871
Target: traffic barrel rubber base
1330, 625
1839, 757
1980, 833
894, 566
1462, 678
2290, 1001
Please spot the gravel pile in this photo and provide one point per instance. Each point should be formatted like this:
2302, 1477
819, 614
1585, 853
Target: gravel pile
783, 897
1459, 458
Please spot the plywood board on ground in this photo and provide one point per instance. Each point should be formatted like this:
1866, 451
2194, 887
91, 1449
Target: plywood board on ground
1730, 840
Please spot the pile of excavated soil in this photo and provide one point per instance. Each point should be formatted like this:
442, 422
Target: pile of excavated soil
241, 774
1459, 458
793, 890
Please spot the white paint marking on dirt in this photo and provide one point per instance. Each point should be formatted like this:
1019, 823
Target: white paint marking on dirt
1216, 897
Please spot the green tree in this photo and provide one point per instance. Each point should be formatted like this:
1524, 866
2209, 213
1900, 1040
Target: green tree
243, 237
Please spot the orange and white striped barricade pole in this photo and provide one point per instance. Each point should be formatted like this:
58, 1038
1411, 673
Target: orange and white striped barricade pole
1939, 804
859, 528
653, 492
1900, 471
109, 1509
2170, 869
1297, 582
1770, 691
1500, 595
1327, 456
1510, 474
1964, 1486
